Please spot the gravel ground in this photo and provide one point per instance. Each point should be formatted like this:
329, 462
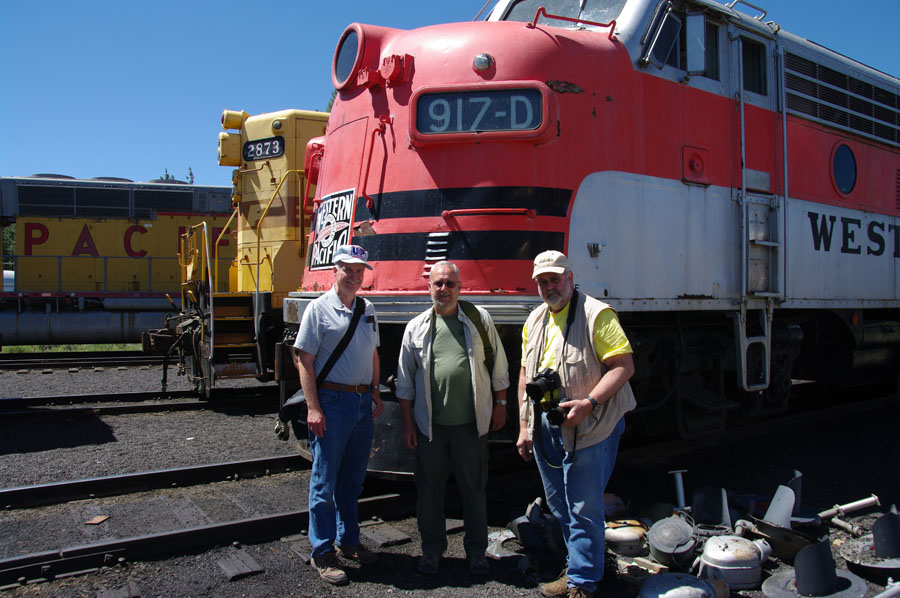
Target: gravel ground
843, 458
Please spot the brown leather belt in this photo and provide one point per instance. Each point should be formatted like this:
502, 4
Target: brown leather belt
359, 388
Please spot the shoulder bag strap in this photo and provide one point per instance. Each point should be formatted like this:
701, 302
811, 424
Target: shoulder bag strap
472, 313
358, 310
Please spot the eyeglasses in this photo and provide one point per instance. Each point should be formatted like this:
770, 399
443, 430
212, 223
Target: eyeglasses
443, 283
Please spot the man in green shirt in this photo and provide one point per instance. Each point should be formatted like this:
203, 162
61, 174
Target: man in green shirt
449, 402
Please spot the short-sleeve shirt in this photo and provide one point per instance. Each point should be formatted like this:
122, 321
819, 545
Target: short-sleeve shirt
609, 338
322, 327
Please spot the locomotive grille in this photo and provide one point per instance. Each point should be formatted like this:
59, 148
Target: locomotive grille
898, 189
839, 99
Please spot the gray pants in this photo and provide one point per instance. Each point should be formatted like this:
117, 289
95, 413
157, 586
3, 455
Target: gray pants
461, 446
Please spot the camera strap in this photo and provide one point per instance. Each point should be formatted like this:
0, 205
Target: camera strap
570, 318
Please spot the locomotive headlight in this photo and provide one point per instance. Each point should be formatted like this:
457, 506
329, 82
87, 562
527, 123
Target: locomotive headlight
483, 62
232, 119
229, 149
347, 57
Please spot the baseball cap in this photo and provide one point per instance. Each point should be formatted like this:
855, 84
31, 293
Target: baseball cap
550, 261
351, 254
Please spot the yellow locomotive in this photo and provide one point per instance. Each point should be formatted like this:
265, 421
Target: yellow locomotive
237, 333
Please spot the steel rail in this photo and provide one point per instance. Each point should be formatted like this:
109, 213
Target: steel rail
106, 359
218, 396
116, 485
50, 564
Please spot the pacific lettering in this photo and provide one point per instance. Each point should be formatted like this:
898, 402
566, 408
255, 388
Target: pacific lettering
135, 228
852, 241
85, 244
32, 239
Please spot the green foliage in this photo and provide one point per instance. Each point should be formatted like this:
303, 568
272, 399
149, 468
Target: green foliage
331, 100
9, 246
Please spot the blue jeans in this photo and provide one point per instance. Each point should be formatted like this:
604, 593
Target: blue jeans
340, 458
574, 486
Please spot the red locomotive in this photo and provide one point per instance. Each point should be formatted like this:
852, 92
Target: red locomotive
730, 188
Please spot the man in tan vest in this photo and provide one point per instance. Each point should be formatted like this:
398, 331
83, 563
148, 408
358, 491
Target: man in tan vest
573, 395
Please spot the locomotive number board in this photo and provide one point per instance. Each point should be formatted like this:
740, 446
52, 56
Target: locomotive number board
476, 111
260, 149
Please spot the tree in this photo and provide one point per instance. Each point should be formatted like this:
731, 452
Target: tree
9, 245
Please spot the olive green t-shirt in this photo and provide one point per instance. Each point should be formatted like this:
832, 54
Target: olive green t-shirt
451, 376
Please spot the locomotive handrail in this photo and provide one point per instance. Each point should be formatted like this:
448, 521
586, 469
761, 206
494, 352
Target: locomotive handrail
757, 17
543, 11
215, 250
299, 172
497, 211
379, 129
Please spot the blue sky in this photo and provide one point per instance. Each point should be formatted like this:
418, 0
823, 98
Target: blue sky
127, 88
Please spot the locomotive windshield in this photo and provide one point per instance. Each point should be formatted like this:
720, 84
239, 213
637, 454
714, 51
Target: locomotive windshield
599, 11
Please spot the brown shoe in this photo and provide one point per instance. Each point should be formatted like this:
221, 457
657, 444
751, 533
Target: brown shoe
360, 554
580, 593
556, 588
329, 568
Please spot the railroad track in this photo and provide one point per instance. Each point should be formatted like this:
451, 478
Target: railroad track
116, 485
68, 406
87, 359
50, 564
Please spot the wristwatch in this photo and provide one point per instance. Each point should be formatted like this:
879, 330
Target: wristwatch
593, 401
501, 402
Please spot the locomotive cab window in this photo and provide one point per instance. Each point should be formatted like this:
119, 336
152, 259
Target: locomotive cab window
687, 41
753, 55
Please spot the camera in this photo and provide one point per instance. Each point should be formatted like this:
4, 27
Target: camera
541, 390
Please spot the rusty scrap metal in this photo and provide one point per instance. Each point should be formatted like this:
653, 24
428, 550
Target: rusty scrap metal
847, 526
842, 510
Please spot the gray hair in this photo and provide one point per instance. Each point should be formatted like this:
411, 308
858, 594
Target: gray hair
444, 263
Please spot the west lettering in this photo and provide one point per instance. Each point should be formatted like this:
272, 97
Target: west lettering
877, 238
849, 236
821, 232
895, 230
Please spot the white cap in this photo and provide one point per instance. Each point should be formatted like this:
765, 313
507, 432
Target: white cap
351, 254
550, 261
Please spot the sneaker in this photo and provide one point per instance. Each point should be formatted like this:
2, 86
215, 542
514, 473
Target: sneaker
428, 564
557, 588
478, 565
329, 568
580, 593
359, 553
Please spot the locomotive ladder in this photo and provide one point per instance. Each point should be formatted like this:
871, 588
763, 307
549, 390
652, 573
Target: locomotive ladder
762, 249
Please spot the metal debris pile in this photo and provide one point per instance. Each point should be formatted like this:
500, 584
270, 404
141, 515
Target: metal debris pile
723, 542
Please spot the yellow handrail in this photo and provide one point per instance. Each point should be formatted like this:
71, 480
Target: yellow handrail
262, 217
215, 250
